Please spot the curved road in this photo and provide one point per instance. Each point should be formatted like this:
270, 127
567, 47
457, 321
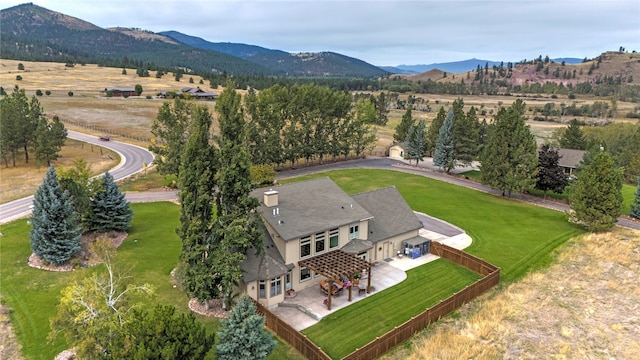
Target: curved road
133, 159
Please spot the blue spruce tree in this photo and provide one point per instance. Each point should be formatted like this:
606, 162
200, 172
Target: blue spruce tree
109, 209
242, 336
444, 156
55, 226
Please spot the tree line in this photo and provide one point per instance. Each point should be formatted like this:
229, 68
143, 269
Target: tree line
24, 129
511, 162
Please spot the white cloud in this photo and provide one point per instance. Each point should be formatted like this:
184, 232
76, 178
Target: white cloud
385, 32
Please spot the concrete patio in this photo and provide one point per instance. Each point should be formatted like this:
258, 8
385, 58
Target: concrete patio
307, 307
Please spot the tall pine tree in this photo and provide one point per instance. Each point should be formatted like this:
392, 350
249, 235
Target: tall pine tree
109, 209
402, 130
444, 156
465, 136
417, 142
595, 197
573, 137
55, 226
242, 335
509, 160
434, 128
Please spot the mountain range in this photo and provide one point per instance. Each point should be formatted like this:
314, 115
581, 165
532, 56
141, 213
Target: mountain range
31, 32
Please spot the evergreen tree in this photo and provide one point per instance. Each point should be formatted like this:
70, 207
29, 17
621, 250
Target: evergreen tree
509, 159
18, 122
197, 180
49, 138
596, 195
55, 229
109, 209
465, 136
444, 156
403, 127
382, 103
573, 137
242, 336
417, 142
550, 174
434, 129
635, 206
163, 334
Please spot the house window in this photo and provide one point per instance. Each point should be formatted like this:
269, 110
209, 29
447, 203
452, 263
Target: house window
276, 286
305, 246
262, 286
305, 274
320, 242
363, 255
333, 238
353, 231
287, 281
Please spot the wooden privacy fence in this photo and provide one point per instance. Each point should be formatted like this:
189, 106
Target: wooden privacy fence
401, 333
491, 276
287, 333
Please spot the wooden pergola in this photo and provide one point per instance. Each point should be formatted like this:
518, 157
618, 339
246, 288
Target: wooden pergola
336, 265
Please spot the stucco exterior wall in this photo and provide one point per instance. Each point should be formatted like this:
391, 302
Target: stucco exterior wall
396, 152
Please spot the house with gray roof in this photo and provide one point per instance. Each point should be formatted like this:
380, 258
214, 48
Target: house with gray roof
569, 159
313, 218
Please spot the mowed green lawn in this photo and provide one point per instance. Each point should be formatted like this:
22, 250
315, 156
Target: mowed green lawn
354, 326
515, 236
628, 192
149, 254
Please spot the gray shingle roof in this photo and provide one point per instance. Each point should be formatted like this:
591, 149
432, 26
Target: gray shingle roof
311, 206
357, 246
391, 214
570, 158
266, 265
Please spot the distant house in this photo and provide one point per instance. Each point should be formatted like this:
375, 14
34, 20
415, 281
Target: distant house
121, 92
398, 151
569, 159
314, 232
196, 93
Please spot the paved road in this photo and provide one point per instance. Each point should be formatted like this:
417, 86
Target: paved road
133, 159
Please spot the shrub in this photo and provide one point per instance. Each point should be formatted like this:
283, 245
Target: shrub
38, 92
70, 93
18, 77
48, 92
262, 174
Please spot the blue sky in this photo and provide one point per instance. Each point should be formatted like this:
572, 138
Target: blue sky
384, 32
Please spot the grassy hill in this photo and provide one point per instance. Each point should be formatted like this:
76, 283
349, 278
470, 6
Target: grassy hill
610, 66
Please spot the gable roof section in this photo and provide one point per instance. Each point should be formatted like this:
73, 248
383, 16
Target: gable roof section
570, 158
391, 214
308, 207
267, 265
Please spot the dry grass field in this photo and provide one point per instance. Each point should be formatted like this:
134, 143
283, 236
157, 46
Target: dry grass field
24, 179
584, 306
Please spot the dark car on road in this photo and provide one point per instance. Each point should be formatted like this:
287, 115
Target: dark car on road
104, 138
